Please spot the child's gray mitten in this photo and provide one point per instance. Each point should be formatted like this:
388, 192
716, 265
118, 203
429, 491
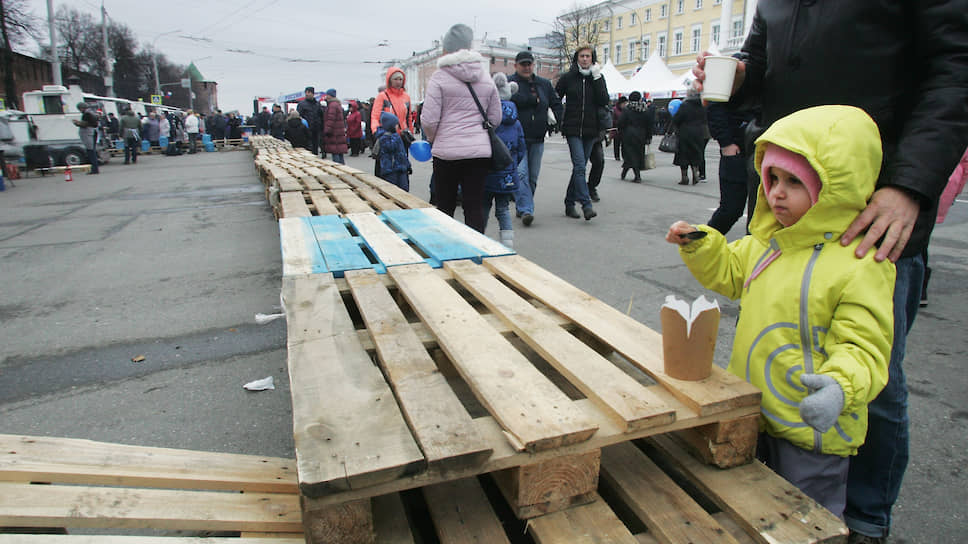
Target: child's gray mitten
823, 405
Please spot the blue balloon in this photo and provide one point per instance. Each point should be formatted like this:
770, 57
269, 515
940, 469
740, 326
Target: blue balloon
674, 105
420, 150
305, 123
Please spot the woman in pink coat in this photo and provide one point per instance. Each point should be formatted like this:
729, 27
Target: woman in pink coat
452, 122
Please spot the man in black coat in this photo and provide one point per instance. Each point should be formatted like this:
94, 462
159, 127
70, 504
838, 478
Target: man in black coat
534, 97
727, 127
906, 65
310, 110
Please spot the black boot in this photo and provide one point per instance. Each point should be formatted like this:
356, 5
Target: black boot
685, 176
588, 212
625, 170
695, 175
638, 177
570, 211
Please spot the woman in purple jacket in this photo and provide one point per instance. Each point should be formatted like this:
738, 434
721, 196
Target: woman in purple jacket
452, 122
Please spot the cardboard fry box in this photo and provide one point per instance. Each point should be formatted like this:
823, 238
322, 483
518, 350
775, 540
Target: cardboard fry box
689, 337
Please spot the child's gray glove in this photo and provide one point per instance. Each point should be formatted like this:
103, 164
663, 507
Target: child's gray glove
823, 405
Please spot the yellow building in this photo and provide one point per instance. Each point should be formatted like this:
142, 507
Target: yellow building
627, 32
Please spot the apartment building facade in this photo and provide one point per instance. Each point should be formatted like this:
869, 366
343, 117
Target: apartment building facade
629, 31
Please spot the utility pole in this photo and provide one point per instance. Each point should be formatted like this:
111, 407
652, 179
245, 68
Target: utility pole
54, 57
108, 68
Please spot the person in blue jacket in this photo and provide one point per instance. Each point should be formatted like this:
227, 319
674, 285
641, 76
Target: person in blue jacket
500, 186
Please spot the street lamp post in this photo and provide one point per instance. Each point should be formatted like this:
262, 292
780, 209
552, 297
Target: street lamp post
154, 57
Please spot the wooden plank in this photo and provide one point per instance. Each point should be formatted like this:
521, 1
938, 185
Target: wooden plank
324, 206
638, 481
467, 235
638, 343
310, 182
300, 251
462, 513
398, 195
432, 237
25, 505
629, 402
340, 249
289, 184
390, 520
769, 508
332, 182
350, 202
385, 243
443, 428
74, 461
348, 430
294, 204
593, 523
533, 411
114, 539
724, 444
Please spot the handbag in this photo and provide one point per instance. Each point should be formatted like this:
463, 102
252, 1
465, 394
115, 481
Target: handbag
500, 156
649, 158
669, 143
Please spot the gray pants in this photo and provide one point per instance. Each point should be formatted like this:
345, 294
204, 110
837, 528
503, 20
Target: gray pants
820, 476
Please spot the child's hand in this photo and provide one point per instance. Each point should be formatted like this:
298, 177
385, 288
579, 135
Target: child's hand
821, 408
678, 228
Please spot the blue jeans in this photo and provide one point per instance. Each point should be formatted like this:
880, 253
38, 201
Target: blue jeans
502, 210
92, 158
874, 480
581, 151
528, 170
338, 157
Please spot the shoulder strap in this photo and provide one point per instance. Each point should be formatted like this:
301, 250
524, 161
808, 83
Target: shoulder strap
480, 108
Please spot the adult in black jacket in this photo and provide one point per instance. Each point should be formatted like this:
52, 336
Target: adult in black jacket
689, 124
277, 123
727, 126
310, 110
635, 124
906, 64
535, 95
586, 96
296, 131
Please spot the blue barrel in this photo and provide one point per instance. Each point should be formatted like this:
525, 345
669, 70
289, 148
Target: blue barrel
119, 144
145, 145
163, 142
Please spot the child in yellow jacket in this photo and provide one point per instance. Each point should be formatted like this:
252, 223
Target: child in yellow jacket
816, 323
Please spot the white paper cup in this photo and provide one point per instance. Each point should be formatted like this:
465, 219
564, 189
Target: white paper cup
718, 85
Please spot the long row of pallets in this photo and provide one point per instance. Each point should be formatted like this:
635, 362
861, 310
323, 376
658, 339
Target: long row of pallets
423, 355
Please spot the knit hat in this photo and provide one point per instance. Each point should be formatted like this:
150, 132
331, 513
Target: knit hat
389, 122
524, 56
504, 89
331, 92
81, 106
794, 163
457, 37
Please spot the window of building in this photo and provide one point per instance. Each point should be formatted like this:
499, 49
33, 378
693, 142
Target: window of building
680, 4
714, 31
737, 31
698, 4
661, 39
505, 62
618, 53
663, 11
645, 49
605, 25
648, 14
696, 38
632, 19
604, 52
633, 49
594, 28
618, 22
717, 2
677, 42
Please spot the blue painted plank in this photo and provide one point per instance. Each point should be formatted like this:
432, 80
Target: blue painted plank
300, 251
344, 254
432, 237
329, 227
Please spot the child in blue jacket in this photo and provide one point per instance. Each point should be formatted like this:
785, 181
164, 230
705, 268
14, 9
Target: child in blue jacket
394, 163
499, 187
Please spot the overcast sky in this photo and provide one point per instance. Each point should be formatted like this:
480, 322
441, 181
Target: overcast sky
340, 39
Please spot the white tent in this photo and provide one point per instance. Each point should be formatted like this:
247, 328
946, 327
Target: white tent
614, 80
654, 76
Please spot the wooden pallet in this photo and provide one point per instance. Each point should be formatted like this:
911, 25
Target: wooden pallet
125, 489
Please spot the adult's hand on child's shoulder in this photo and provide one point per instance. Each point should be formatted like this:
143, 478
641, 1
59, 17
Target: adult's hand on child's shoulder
677, 228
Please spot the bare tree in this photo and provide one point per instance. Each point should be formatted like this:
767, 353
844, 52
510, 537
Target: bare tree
580, 25
17, 25
80, 40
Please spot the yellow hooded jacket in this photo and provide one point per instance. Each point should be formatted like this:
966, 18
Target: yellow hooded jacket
816, 308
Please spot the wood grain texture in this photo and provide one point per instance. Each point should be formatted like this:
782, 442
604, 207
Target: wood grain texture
462, 513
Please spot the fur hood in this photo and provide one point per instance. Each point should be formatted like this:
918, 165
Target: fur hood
465, 65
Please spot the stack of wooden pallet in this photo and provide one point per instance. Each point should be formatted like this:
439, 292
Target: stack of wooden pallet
423, 355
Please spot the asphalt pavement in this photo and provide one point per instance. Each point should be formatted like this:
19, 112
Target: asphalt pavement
171, 259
